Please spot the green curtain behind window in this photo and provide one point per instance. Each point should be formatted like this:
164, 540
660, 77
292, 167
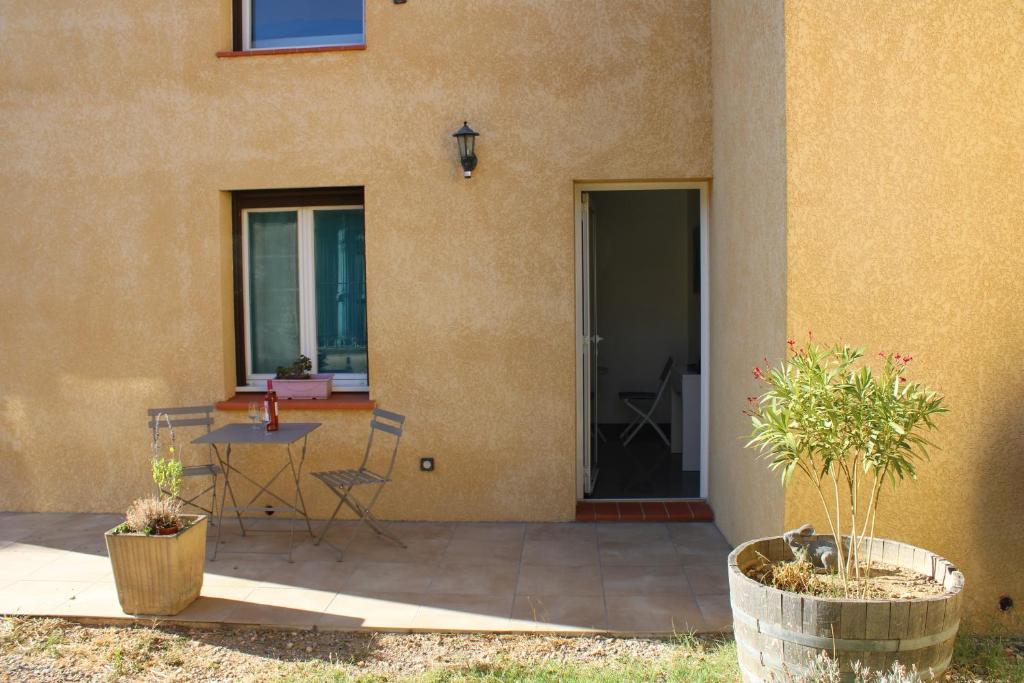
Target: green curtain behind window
340, 259
273, 289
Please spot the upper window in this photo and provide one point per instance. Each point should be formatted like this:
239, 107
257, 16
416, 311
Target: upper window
303, 290
276, 24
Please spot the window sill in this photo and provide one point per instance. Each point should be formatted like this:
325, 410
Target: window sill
339, 400
290, 50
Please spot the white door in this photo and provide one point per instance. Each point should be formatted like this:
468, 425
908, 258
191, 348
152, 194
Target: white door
585, 365
587, 338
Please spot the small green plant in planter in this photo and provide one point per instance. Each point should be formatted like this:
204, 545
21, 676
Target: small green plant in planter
167, 473
300, 369
848, 428
296, 381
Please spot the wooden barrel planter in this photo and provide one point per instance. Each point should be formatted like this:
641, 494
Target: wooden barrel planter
778, 632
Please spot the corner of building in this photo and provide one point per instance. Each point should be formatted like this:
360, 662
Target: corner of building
748, 253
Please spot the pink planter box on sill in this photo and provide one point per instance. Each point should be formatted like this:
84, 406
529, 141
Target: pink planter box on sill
318, 386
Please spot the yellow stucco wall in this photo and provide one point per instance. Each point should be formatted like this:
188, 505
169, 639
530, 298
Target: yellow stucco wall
122, 133
748, 252
905, 166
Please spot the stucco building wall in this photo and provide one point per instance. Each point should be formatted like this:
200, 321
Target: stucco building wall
748, 252
122, 135
905, 162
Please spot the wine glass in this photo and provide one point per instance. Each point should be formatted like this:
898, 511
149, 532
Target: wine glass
254, 414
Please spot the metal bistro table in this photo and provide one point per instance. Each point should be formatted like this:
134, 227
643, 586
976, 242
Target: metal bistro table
286, 435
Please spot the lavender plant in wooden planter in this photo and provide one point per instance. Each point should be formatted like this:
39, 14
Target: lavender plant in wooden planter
296, 381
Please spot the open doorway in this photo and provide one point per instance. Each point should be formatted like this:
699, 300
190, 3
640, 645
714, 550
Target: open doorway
642, 318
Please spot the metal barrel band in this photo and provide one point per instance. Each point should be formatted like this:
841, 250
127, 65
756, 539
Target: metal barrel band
823, 643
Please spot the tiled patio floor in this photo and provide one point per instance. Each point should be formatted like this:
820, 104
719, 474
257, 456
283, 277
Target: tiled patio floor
648, 578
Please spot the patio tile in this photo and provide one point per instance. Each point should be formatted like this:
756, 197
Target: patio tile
563, 581
464, 612
383, 611
371, 578
258, 543
633, 531
484, 552
377, 549
644, 553
329, 576
24, 546
215, 605
76, 567
716, 611
39, 597
18, 525
634, 580
569, 531
656, 613
297, 607
683, 533
307, 552
436, 531
489, 531
480, 579
98, 600
708, 579
559, 613
565, 553
702, 556
22, 565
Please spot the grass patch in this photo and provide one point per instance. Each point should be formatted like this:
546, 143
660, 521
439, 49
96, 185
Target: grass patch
990, 658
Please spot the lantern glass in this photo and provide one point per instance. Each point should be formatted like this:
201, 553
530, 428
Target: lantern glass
466, 138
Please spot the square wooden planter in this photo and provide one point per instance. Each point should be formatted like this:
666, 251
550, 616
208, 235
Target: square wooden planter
159, 575
318, 386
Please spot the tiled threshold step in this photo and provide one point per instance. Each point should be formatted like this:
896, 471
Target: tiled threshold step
644, 511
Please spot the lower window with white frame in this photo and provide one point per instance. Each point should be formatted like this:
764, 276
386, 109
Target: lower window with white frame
304, 292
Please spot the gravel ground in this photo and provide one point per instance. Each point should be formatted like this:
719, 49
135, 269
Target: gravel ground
37, 649
53, 649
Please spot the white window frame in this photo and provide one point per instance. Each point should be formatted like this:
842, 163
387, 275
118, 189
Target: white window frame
343, 381
247, 33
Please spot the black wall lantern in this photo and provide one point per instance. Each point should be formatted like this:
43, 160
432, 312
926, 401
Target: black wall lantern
466, 137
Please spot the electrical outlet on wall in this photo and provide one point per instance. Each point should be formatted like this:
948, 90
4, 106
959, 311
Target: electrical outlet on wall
427, 464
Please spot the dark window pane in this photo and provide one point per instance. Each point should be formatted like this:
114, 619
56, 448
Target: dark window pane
340, 264
306, 23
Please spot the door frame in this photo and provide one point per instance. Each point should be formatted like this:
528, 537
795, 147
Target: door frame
704, 186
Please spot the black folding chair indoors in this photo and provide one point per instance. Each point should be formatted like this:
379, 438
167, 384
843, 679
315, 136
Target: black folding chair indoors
644, 403
343, 482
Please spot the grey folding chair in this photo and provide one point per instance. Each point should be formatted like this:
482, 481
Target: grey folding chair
644, 403
343, 482
170, 419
